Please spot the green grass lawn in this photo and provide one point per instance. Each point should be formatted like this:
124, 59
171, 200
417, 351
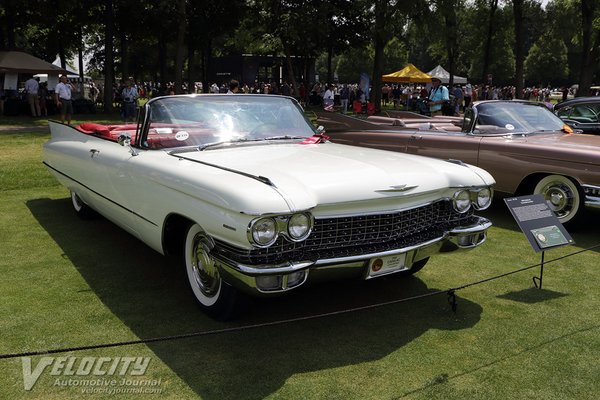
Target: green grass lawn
67, 282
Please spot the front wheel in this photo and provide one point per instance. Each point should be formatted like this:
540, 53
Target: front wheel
563, 197
216, 298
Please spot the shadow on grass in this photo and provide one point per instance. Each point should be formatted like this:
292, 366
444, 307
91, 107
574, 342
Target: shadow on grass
149, 294
532, 295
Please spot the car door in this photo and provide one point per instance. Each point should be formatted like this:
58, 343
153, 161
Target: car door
445, 145
107, 175
584, 116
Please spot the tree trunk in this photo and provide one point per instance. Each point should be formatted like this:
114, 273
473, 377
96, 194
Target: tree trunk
206, 61
108, 52
379, 45
291, 74
329, 63
451, 38
181, 17
519, 52
124, 52
80, 66
10, 24
590, 47
162, 58
488, 43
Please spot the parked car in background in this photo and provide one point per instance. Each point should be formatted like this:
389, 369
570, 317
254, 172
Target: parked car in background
558, 95
522, 144
256, 201
582, 113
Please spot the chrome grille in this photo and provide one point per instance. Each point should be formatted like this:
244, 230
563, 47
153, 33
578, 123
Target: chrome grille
355, 235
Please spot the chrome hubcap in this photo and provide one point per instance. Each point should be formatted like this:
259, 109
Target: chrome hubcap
560, 198
204, 270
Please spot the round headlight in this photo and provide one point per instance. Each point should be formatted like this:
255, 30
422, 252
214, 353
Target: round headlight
264, 231
461, 201
484, 199
299, 226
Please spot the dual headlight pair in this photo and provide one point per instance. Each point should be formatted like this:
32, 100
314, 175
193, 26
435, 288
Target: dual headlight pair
264, 231
480, 198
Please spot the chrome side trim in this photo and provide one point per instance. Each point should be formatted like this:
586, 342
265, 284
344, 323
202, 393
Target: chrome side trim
592, 196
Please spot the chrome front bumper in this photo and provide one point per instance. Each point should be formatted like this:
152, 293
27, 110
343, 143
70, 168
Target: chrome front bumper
293, 274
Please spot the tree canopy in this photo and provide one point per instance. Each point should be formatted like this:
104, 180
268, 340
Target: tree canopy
558, 43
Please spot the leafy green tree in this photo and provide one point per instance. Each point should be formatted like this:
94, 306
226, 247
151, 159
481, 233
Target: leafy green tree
546, 62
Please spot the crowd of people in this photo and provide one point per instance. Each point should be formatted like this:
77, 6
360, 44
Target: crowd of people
427, 99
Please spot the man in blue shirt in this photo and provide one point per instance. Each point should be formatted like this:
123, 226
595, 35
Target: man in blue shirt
437, 96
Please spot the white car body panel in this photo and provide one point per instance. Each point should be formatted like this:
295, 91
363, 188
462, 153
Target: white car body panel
225, 188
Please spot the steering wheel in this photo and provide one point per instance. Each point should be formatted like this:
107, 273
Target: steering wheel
259, 130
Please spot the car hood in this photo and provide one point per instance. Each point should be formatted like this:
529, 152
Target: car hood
327, 173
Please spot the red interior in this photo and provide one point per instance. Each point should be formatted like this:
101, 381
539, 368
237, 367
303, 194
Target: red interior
158, 141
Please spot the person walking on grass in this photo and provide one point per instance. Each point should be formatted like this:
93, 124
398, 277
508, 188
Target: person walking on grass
64, 101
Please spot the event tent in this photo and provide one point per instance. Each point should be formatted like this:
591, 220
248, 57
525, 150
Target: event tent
17, 62
444, 76
408, 74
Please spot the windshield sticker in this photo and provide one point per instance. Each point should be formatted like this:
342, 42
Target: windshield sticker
510, 127
182, 135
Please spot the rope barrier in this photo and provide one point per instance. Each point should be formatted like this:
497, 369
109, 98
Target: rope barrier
451, 293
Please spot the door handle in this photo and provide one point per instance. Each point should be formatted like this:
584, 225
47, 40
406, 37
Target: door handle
414, 137
94, 152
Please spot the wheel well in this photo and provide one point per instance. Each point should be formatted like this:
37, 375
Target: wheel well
528, 183
174, 230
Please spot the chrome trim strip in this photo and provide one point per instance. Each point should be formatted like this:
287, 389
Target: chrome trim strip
592, 202
278, 269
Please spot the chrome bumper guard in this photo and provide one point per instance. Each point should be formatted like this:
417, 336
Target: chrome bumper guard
289, 275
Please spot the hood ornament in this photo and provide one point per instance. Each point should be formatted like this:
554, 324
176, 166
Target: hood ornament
397, 188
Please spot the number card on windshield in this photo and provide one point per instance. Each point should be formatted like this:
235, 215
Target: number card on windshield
538, 222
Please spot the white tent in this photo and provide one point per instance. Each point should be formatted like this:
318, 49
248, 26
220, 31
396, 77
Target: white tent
444, 76
73, 72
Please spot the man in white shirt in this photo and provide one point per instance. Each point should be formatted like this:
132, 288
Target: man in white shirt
129, 96
468, 94
64, 102
32, 87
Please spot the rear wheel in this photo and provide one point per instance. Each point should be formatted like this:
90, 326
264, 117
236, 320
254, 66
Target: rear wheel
82, 209
563, 197
216, 298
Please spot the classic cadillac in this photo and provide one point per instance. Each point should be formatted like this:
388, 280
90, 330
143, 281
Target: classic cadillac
257, 201
522, 144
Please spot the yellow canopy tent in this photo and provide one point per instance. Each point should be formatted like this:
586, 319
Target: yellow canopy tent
408, 74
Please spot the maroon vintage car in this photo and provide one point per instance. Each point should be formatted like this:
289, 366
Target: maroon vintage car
522, 144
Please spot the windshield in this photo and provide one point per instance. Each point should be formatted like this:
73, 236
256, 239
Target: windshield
515, 117
208, 120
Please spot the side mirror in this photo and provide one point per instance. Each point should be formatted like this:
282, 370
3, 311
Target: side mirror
320, 129
125, 140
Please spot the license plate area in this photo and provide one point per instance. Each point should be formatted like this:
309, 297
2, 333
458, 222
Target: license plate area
386, 265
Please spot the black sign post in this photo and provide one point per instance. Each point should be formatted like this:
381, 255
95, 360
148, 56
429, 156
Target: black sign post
541, 227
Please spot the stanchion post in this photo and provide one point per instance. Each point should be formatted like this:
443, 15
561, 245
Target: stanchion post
541, 277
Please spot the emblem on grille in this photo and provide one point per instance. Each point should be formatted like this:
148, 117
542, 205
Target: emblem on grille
398, 188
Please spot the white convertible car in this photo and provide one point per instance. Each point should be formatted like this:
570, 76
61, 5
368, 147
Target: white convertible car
255, 200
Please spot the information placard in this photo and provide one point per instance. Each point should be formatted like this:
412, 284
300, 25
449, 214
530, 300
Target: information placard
538, 222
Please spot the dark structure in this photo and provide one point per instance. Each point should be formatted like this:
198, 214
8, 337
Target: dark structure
249, 69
